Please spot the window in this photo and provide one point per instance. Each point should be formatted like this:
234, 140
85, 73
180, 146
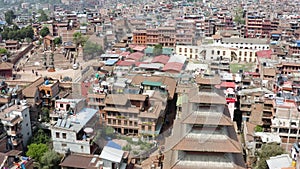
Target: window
245, 54
26, 124
143, 127
125, 122
180, 49
240, 53
130, 123
109, 121
135, 124
185, 49
191, 50
224, 53
28, 134
212, 52
196, 50
218, 52
64, 145
149, 128
57, 134
64, 135
61, 105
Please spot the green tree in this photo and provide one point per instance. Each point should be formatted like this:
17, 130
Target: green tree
36, 151
157, 50
45, 115
267, 151
91, 50
57, 41
79, 39
43, 16
50, 160
40, 137
3, 51
44, 31
9, 17
258, 129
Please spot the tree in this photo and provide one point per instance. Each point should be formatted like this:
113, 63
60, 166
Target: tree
40, 137
43, 17
78, 39
45, 115
157, 50
267, 151
57, 41
50, 160
3, 51
36, 151
258, 129
92, 49
44, 31
9, 17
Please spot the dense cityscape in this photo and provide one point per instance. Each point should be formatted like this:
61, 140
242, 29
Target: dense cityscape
163, 84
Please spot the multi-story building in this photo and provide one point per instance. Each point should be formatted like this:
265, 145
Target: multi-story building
74, 129
203, 135
48, 90
152, 36
294, 48
17, 124
167, 36
139, 37
288, 67
259, 26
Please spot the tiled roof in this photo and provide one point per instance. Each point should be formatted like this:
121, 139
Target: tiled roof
77, 161
6, 66
161, 59
211, 119
207, 97
209, 143
116, 99
173, 66
211, 80
135, 56
30, 91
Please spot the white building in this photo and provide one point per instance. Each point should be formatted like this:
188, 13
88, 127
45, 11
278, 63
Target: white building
70, 132
239, 49
16, 122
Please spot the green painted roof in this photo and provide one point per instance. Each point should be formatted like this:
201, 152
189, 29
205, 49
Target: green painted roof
150, 83
167, 51
149, 50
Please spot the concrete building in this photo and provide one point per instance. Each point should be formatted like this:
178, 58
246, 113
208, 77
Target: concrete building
17, 124
73, 133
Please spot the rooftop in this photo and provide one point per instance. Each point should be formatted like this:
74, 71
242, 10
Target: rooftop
76, 122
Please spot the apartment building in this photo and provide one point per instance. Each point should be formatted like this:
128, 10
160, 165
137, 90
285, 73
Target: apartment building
139, 37
133, 113
259, 26
288, 67
73, 127
203, 135
294, 48
17, 125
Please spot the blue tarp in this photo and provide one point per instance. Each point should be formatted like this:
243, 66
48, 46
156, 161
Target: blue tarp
275, 35
113, 145
111, 62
